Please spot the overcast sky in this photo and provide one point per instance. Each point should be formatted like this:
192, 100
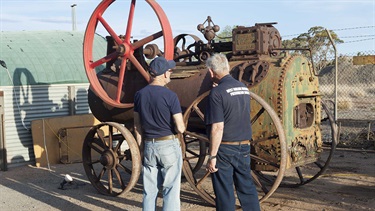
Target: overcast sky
353, 21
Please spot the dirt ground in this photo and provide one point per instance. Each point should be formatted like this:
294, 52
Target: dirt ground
348, 184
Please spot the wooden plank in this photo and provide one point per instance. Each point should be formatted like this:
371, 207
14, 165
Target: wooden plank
70, 143
46, 139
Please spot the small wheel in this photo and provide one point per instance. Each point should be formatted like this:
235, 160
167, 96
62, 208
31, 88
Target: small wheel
200, 180
125, 48
111, 158
186, 52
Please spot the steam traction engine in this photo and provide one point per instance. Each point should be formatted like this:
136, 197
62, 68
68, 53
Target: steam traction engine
289, 119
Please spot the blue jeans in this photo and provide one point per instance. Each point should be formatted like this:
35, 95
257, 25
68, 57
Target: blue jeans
162, 170
233, 162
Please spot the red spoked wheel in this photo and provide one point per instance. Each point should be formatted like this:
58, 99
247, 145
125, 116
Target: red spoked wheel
125, 49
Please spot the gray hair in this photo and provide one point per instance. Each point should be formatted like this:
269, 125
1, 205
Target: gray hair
218, 63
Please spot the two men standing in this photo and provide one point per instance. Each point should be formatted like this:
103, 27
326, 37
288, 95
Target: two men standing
158, 118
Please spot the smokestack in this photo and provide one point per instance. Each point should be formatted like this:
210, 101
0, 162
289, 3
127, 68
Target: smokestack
73, 6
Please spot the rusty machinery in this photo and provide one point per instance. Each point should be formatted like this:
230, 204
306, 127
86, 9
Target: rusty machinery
287, 116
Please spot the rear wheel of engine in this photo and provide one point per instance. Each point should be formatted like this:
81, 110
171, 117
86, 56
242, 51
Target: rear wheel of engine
200, 179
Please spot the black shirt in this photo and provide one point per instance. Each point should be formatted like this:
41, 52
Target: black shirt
229, 102
156, 106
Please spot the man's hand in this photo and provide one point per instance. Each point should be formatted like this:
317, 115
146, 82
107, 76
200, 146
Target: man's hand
211, 166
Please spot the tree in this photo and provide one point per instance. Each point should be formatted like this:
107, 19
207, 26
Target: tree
317, 40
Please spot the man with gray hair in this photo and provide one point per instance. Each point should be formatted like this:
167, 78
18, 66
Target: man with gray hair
227, 119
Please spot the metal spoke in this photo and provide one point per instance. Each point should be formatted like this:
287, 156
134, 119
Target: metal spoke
125, 169
103, 60
257, 115
300, 175
98, 132
92, 146
101, 174
147, 39
130, 20
110, 134
198, 111
109, 29
94, 162
110, 183
202, 179
257, 158
117, 173
319, 165
191, 152
259, 182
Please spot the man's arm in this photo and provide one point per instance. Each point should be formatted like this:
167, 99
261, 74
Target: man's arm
179, 123
138, 130
216, 135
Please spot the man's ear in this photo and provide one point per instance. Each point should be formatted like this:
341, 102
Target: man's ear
211, 72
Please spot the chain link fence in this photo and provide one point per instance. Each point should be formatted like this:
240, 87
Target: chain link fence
355, 98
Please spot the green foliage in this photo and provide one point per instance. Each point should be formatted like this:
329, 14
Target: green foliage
317, 40
225, 34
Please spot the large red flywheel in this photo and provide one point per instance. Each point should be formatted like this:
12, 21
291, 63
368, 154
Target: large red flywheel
125, 49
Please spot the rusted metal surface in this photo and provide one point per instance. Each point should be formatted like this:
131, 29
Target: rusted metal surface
258, 40
185, 49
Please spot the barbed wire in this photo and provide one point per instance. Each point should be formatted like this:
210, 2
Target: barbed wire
358, 36
358, 27
342, 29
357, 40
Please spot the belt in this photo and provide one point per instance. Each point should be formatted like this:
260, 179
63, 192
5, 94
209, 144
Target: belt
170, 137
236, 142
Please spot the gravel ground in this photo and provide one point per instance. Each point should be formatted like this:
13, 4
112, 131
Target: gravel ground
348, 184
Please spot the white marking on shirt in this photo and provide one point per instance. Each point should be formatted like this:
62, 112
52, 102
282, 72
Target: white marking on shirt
238, 91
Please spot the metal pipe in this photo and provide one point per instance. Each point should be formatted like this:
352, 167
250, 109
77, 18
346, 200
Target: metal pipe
3, 151
336, 64
73, 6
72, 100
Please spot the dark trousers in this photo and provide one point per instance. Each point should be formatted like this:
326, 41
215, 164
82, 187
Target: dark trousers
233, 162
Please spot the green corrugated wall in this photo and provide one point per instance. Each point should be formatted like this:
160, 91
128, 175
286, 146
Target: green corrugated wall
51, 57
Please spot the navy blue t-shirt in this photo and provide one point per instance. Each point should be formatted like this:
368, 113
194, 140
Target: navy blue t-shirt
156, 106
229, 102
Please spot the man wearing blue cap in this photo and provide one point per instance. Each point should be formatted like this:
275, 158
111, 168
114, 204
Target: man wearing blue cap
157, 120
